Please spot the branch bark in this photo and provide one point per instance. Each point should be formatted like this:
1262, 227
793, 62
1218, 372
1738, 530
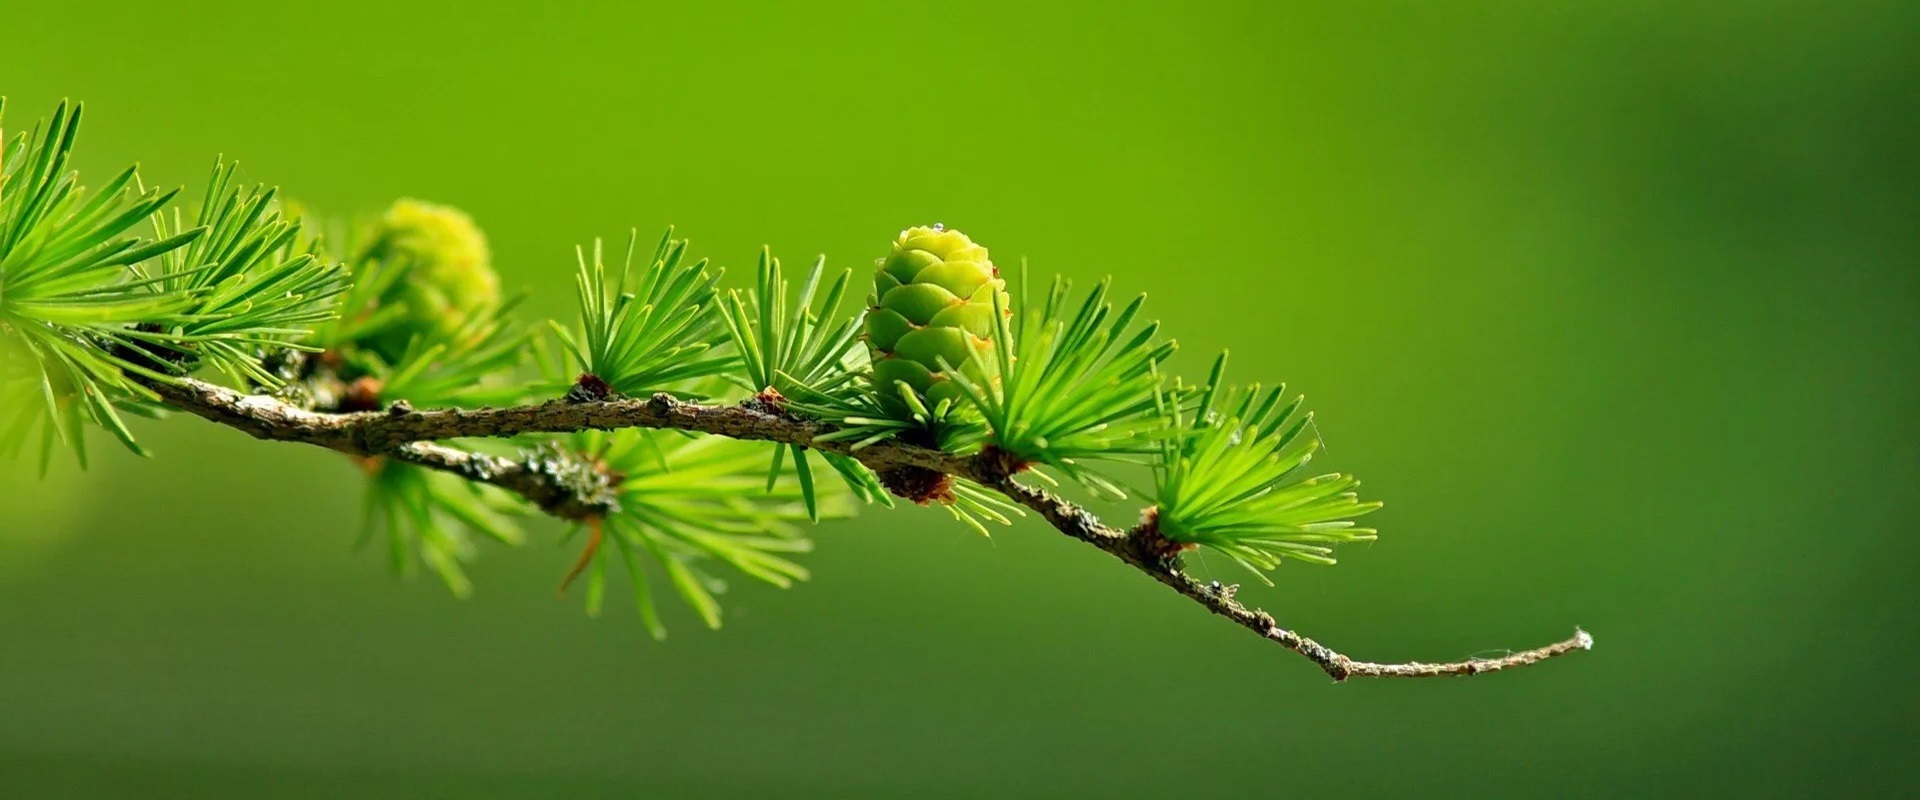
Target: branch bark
570, 490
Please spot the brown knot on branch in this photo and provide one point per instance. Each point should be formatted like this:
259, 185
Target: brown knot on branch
590, 388
918, 484
1152, 543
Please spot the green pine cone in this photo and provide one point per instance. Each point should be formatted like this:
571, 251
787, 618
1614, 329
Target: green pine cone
451, 278
932, 301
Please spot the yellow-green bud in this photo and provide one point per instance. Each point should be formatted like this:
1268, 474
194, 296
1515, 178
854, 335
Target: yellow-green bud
450, 274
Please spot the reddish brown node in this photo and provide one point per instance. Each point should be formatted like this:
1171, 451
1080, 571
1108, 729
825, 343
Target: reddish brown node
1155, 543
919, 484
1002, 462
767, 401
590, 388
363, 394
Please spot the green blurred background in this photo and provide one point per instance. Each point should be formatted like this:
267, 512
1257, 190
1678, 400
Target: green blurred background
1613, 303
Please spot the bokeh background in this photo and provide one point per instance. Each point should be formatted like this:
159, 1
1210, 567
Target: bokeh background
1614, 303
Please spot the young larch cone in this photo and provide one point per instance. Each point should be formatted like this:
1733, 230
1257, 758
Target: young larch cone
932, 302
451, 277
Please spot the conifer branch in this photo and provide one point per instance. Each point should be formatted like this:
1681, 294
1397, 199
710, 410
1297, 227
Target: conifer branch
574, 491
558, 484
392, 343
